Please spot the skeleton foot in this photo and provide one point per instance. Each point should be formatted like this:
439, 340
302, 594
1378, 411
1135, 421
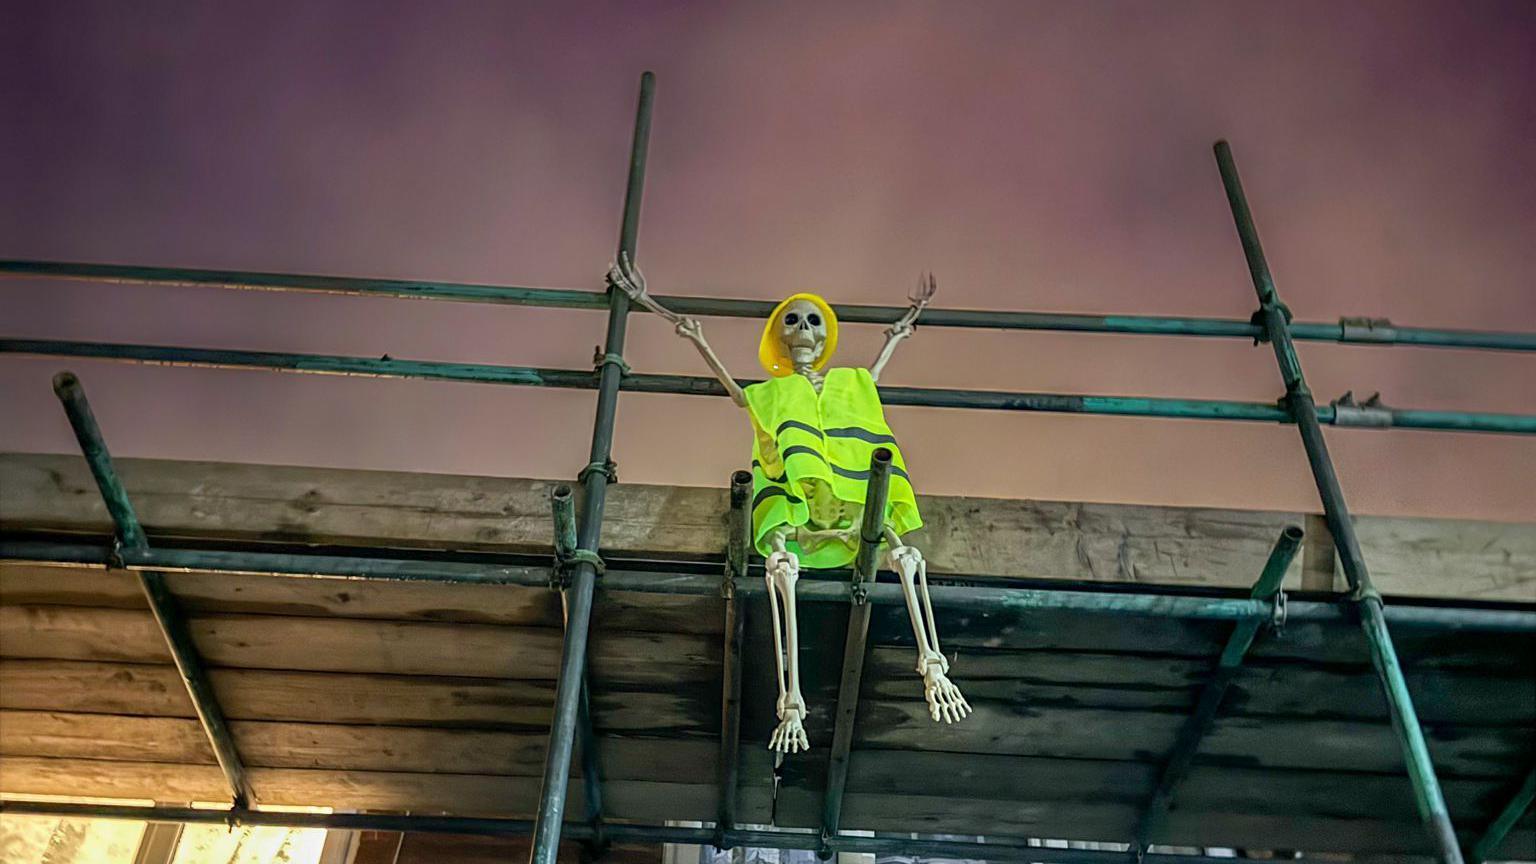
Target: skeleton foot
789, 736
945, 701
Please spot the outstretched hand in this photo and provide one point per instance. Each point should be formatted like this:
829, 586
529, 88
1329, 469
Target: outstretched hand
626, 277
919, 298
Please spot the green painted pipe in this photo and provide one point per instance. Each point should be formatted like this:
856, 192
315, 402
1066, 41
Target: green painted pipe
737, 544
1428, 797
565, 298
527, 376
866, 563
830, 587
166, 611
572, 719
1198, 724
564, 512
1493, 838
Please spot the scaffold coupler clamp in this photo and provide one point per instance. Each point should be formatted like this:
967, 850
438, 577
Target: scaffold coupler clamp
1370, 413
1380, 331
824, 846
1257, 320
115, 556
609, 469
1364, 592
600, 359
566, 564
858, 591
1277, 613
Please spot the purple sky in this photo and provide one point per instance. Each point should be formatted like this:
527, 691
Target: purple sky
1051, 157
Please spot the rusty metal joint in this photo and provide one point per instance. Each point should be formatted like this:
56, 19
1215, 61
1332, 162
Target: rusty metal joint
115, 557
859, 592
608, 468
1379, 331
1370, 413
1365, 592
1278, 612
601, 359
565, 566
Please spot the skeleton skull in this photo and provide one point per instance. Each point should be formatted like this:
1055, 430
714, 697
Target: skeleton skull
802, 332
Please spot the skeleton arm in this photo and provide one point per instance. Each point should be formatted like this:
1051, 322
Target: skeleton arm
903, 326
627, 278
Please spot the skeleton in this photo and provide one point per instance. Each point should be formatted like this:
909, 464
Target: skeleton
803, 334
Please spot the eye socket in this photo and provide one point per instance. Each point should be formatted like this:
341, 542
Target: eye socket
791, 319
814, 319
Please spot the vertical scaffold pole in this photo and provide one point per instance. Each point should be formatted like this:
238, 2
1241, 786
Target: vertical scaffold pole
595, 479
737, 544
173, 625
1276, 318
1203, 717
865, 565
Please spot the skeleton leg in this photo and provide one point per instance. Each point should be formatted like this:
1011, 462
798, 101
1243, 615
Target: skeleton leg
782, 572
944, 699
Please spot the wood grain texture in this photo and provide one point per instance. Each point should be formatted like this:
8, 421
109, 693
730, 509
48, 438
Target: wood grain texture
343, 747
1047, 678
32, 584
353, 645
972, 536
324, 697
460, 794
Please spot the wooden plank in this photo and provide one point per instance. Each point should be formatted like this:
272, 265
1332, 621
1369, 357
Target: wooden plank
1146, 736
1312, 642
324, 697
973, 536
354, 645
341, 747
1091, 800
462, 794
1046, 678
32, 584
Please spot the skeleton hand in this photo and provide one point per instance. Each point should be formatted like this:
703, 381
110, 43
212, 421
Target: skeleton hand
920, 297
626, 277
789, 737
691, 329
944, 699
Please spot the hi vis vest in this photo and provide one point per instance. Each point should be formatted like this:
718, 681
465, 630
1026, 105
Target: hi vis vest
799, 437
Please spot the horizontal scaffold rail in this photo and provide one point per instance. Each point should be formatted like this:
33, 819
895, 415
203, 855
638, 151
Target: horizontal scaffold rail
832, 589
1365, 331
528, 376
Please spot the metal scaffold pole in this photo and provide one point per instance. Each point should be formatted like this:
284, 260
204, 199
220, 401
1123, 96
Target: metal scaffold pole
1355, 330
855, 644
595, 479
167, 612
1365, 417
1298, 400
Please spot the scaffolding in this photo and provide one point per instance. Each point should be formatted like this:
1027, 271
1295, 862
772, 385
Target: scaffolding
578, 569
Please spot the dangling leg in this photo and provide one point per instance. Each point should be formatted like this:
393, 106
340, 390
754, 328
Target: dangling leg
782, 572
944, 699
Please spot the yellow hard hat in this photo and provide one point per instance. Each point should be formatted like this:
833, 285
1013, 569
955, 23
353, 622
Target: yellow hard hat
770, 352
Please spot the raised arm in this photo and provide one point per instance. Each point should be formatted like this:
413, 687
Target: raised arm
627, 278
920, 298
